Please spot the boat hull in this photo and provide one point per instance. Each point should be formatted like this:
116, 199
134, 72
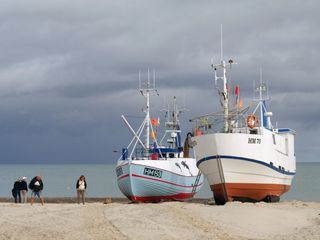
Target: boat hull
224, 192
238, 168
156, 180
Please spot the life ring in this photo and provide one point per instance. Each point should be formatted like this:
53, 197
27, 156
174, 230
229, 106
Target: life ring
252, 121
197, 132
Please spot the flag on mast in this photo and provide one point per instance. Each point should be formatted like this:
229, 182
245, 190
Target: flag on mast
154, 122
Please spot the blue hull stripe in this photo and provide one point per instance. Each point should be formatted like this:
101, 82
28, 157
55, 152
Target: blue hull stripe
245, 159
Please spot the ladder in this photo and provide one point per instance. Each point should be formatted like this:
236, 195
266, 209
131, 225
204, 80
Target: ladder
196, 182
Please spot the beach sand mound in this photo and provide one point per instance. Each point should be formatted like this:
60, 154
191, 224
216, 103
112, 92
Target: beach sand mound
170, 220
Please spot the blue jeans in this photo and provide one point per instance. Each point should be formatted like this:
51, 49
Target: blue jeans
34, 194
16, 195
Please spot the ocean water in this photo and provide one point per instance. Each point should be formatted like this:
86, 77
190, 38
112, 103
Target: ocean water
60, 180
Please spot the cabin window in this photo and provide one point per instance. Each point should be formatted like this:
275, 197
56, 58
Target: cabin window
162, 155
271, 163
274, 139
171, 155
254, 131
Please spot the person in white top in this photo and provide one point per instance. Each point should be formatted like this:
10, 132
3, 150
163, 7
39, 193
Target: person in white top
81, 186
24, 189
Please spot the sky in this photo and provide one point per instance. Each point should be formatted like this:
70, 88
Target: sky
69, 69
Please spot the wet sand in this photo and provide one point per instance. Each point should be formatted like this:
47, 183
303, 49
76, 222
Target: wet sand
168, 220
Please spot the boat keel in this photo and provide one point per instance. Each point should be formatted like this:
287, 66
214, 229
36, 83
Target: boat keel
247, 192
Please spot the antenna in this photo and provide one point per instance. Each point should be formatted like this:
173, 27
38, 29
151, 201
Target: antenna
260, 89
254, 88
154, 82
221, 40
148, 82
139, 79
154, 79
164, 102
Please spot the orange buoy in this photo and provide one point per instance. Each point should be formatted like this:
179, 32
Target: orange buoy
251, 121
197, 132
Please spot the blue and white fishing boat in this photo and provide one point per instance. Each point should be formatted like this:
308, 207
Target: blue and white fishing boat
152, 170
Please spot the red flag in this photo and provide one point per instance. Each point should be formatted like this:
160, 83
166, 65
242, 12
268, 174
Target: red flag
237, 90
154, 122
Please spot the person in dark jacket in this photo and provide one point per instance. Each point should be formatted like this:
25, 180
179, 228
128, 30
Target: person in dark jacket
36, 185
16, 191
81, 187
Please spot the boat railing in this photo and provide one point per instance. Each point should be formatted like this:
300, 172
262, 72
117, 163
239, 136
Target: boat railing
214, 123
156, 154
209, 123
140, 153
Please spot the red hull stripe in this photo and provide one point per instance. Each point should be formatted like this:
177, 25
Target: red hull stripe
255, 191
159, 180
123, 176
164, 181
179, 196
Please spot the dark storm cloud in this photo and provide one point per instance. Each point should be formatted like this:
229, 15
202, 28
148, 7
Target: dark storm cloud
69, 69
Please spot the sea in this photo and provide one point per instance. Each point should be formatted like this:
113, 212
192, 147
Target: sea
60, 180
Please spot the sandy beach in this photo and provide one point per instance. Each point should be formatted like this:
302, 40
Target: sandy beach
169, 220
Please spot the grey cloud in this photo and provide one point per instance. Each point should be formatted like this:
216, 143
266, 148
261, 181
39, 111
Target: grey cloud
68, 70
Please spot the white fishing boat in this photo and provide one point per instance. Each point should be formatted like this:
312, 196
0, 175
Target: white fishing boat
243, 155
152, 170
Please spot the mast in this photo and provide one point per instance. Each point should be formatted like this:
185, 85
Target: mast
261, 96
173, 116
146, 93
172, 123
148, 110
224, 91
261, 100
174, 113
226, 97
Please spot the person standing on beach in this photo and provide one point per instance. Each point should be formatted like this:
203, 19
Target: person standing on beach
36, 185
16, 191
24, 189
81, 187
